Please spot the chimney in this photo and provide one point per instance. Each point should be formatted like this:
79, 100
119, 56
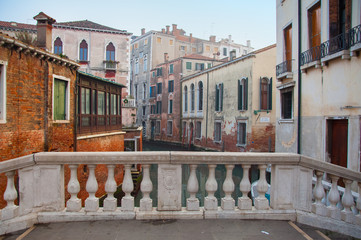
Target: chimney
166, 57
143, 31
44, 29
167, 28
230, 38
175, 30
249, 43
190, 37
163, 30
232, 55
212, 38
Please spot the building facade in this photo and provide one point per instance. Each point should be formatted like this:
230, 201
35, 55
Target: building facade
147, 51
231, 107
319, 73
165, 95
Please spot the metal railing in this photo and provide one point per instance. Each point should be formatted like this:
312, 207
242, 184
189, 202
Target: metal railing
355, 35
335, 44
311, 55
284, 67
110, 65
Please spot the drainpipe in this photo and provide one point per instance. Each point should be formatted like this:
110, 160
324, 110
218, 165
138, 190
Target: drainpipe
180, 102
299, 80
207, 108
46, 116
75, 112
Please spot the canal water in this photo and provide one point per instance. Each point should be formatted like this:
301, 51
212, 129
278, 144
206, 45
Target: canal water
202, 175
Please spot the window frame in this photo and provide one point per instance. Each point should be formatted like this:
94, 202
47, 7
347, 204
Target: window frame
170, 129
83, 55
244, 142
198, 134
189, 65
288, 90
110, 54
58, 49
216, 123
171, 69
157, 127
66, 99
267, 92
185, 96
243, 94
170, 106
159, 88
192, 98
219, 97
3, 67
200, 96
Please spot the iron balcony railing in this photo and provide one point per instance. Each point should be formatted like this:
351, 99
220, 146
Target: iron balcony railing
355, 35
110, 65
284, 67
311, 55
336, 44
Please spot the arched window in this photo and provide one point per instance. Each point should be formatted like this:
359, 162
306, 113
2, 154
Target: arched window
200, 96
185, 93
110, 52
265, 93
192, 97
83, 54
58, 46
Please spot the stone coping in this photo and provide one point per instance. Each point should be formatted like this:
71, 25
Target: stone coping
99, 135
167, 157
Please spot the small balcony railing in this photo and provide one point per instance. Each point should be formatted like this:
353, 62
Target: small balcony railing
311, 55
110, 65
128, 103
192, 185
355, 35
284, 67
335, 44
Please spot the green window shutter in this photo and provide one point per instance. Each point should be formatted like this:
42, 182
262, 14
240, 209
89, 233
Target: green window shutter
239, 95
217, 98
221, 107
59, 99
246, 94
270, 94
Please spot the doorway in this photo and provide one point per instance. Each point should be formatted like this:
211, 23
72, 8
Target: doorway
337, 141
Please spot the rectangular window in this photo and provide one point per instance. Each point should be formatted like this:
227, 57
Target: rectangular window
145, 63
218, 131
209, 65
169, 128
137, 66
2, 92
215, 50
171, 86
113, 104
152, 109
208, 48
241, 133
243, 94
143, 108
287, 32
159, 40
159, 88
200, 66
85, 101
224, 51
159, 71
101, 103
286, 102
153, 74
153, 91
183, 48
157, 127
171, 42
159, 107
170, 107
188, 65
184, 129
314, 25
198, 130
146, 41
171, 69
60, 100
265, 93
219, 97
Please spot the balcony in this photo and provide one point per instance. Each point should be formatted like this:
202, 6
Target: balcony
284, 70
301, 189
128, 103
110, 65
336, 47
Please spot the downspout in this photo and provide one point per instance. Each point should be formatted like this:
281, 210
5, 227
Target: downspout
180, 102
46, 106
75, 111
299, 80
207, 108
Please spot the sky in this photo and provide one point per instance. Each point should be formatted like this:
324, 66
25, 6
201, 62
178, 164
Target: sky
253, 20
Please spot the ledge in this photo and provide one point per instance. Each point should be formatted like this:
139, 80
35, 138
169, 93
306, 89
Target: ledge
99, 135
344, 54
355, 49
285, 75
286, 121
316, 64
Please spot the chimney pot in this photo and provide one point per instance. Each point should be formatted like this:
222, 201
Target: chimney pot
167, 28
248, 43
163, 30
44, 29
143, 31
166, 57
212, 38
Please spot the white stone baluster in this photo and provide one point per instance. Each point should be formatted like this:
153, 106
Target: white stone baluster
334, 198
261, 202
358, 204
347, 202
92, 202
110, 203
228, 203
74, 203
192, 188
146, 203
319, 193
244, 202
127, 200
10, 195
210, 202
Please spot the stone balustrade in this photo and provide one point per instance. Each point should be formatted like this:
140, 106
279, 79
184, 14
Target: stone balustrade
293, 195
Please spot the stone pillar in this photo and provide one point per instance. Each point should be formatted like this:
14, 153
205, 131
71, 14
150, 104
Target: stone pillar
92, 202
146, 203
192, 188
128, 187
74, 203
319, 193
244, 202
228, 203
347, 202
334, 198
261, 202
10, 195
110, 203
210, 202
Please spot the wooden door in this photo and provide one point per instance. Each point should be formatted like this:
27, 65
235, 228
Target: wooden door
338, 146
288, 43
315, 25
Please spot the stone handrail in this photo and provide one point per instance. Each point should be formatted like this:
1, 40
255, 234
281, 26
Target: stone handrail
293, 196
